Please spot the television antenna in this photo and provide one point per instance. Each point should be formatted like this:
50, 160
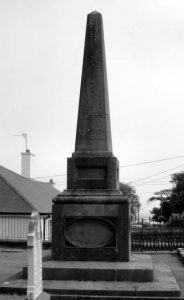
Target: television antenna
24, 135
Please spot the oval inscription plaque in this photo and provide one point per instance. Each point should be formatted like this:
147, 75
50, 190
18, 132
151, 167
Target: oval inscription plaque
90, 233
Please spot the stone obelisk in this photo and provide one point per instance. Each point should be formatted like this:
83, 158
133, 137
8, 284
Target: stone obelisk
91, 217
93, 128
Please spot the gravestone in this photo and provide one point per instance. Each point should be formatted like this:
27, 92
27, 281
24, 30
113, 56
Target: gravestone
34, 247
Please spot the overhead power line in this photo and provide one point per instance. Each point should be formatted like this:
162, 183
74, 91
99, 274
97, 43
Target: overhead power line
49, 176
151, 161
123, 166
153, 180
156, 174
155, 183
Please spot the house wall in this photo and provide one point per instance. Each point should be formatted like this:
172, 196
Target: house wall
15, 227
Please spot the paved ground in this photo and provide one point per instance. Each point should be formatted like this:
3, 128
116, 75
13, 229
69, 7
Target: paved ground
172, 260
12, 260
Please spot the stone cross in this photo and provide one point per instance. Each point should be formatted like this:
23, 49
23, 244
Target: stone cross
34, 244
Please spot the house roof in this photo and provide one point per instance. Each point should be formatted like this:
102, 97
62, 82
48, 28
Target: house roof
23, 195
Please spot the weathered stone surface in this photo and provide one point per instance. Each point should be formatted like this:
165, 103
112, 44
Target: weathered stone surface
164, 286
138, 269
111, 210
92, 202
85, 196
34, 245
93, 173
43, 296
93, 127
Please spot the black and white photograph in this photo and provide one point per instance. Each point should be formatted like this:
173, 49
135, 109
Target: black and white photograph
92, 150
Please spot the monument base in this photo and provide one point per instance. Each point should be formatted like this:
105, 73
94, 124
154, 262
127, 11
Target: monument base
138, 269
91, 225
43, 296
163, 287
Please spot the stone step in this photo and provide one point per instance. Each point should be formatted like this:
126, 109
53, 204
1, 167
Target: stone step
138, 269
91, 290
82, 297
164, 285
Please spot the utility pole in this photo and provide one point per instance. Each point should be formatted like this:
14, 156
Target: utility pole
161, 205
162, 201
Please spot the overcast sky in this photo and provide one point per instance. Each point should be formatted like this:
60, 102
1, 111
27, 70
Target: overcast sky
41, 51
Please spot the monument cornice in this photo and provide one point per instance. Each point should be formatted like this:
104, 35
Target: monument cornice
90, 199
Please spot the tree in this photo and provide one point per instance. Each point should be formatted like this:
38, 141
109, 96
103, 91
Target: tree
156, 212
165, 211
177, 194
130, 192
163, 195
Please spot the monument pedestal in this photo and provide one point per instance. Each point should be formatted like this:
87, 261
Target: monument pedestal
91, 225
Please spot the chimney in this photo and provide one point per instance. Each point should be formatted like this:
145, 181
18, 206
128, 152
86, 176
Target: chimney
51, 182
25, 163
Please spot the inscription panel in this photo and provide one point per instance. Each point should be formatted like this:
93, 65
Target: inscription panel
90, 232
91, 173
91, 210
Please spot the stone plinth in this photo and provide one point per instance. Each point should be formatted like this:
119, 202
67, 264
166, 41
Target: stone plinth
138, 269
93, 173
91, 226
163, 287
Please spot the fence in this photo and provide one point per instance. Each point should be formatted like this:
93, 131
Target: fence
164, 239
160, 238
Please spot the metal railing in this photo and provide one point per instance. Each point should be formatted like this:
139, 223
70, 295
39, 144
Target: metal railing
168, 239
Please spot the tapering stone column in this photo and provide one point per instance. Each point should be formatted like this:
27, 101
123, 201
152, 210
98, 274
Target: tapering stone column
93, 128
91, 217
100, 168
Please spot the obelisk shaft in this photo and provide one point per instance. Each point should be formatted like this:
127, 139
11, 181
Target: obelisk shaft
93, 135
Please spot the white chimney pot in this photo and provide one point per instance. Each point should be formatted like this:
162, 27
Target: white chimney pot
25, 163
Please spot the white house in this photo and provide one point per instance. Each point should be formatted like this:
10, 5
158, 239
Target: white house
19, 196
